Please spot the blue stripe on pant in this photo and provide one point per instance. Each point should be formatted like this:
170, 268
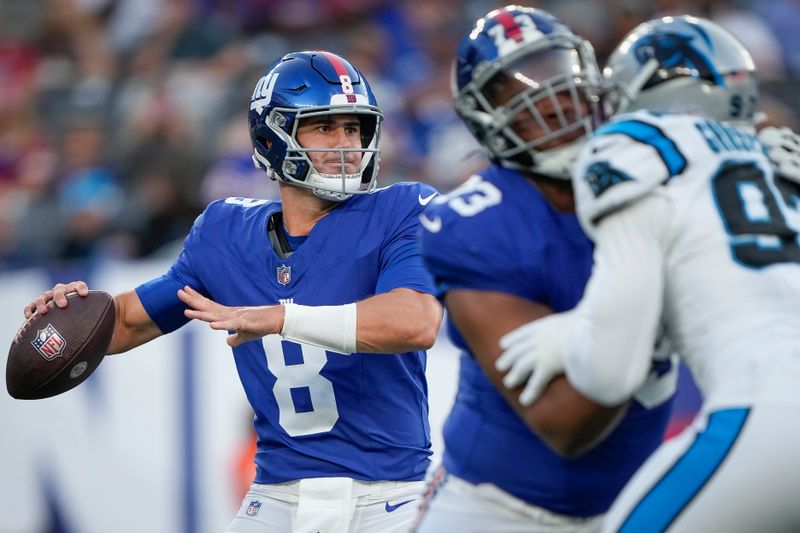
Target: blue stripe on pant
666, 500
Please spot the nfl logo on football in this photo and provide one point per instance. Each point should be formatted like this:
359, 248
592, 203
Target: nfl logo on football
49, 343
253, 508
284, 274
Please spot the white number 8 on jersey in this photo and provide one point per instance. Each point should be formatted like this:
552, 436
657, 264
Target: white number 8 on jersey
303, 378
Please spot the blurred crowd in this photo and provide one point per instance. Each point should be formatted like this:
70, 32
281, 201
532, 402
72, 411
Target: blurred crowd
121, 119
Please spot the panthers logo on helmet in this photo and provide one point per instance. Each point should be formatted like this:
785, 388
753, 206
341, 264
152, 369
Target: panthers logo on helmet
674, 50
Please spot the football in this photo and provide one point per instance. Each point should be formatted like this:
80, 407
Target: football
54, 352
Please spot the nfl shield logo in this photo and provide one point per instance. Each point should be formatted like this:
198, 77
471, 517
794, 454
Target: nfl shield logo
284, 274
49, 343
253, 508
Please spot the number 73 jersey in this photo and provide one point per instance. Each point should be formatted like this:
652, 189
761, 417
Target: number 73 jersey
730, 245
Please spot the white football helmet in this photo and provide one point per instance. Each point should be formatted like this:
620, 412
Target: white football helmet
684, 64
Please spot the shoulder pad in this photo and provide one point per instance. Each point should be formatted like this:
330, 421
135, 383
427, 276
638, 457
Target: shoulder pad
421, 193
623, 161
243, 202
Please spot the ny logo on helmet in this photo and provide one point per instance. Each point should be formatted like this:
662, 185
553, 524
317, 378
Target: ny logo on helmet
262, 94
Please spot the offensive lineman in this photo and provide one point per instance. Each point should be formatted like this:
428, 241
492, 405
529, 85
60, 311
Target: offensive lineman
506, 248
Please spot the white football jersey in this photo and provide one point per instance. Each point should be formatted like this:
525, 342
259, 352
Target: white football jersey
732, 272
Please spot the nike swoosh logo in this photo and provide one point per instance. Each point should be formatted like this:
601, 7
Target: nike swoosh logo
434, 225
390, 508
424, 201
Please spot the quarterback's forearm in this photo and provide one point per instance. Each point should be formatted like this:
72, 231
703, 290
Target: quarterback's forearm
610, 353
133, 326
400, 320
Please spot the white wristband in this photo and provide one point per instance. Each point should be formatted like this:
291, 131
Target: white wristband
332, 327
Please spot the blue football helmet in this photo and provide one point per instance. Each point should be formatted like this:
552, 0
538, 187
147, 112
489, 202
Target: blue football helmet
684, 64
310, 84
523, 68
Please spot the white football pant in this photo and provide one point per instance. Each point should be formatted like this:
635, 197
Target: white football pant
452, 504
732, 470
329, 505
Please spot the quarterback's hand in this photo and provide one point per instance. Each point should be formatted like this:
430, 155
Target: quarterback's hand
57, 295
533, 351
247, 323
783, 149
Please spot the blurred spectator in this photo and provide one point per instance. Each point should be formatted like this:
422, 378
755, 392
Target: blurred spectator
72, 30
774, 112
162, 165
233, 173
158, 213
27, 161
128, 22
289, 15
755, 33
746, 24
782, 17
89, 195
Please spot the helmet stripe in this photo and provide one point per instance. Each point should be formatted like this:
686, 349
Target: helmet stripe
513, 30
334, 60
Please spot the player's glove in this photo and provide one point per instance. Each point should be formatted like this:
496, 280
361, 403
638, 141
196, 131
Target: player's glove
533, 351
783, 149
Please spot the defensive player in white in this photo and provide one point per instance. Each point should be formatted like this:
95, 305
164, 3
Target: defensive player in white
693, 229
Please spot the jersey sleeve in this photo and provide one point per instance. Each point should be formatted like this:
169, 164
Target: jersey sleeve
159, 296
610, 353
624, 161
401, 262
478, 248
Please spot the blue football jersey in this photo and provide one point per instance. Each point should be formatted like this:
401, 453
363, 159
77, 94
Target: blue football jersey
317, 413
498, 233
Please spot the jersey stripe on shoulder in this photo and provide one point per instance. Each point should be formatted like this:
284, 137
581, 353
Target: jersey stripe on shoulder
651, 135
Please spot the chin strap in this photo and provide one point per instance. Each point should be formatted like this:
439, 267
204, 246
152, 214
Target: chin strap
327, 194
277, 238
